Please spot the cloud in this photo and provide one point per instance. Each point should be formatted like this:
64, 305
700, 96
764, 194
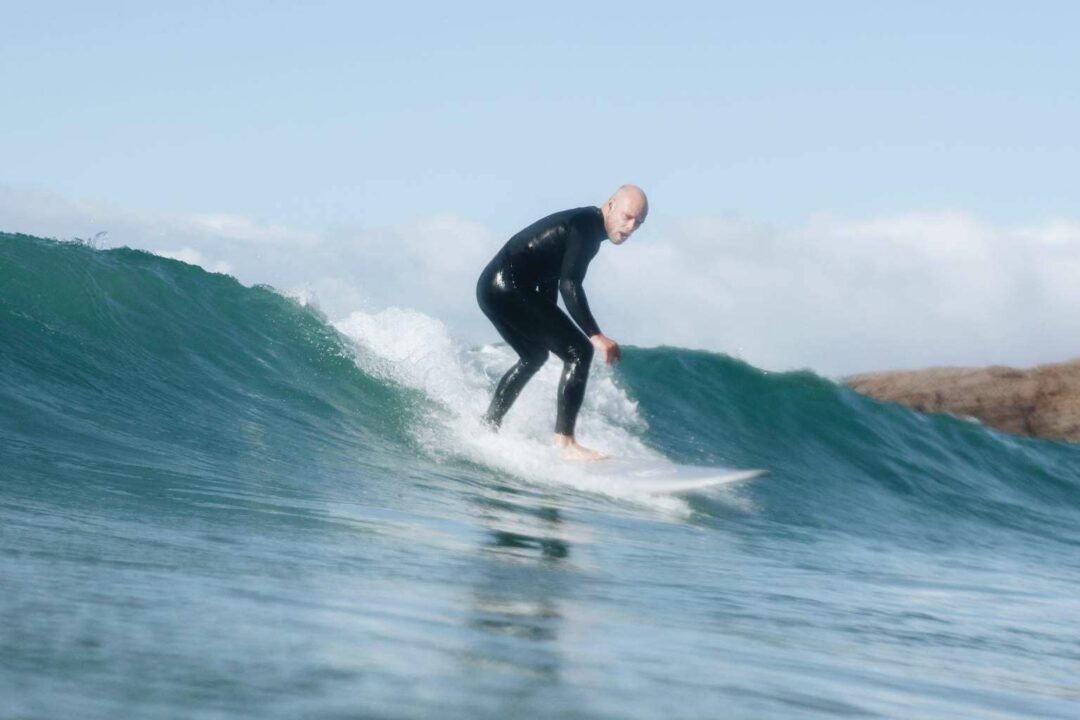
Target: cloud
833, 294
205, 239
194, 257
841, 296
254, 252
238, 228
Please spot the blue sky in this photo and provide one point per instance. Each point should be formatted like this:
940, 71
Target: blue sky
316, 112
328, 115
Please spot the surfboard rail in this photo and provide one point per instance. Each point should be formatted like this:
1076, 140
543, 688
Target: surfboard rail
663, 477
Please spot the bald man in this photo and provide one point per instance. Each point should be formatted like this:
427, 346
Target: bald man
518, 292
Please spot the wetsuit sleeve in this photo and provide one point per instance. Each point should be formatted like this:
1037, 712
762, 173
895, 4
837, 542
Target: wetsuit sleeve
575, 262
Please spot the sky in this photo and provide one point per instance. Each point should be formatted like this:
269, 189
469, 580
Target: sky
838, 186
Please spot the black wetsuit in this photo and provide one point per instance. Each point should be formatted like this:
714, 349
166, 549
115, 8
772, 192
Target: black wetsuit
518, 291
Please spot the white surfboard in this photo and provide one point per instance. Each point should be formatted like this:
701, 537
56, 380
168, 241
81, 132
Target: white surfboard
663, 477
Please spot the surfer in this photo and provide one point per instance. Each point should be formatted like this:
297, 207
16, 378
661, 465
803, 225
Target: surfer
518, 292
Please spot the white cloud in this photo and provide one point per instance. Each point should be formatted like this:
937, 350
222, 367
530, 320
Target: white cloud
908, 291
1058, 233
194, 257
836, 295
238, 228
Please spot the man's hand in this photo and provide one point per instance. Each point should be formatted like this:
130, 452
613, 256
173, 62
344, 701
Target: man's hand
608, 348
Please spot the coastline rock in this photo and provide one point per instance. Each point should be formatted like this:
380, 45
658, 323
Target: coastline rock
1042, 402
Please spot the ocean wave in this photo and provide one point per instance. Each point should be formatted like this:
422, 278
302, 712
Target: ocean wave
122, 358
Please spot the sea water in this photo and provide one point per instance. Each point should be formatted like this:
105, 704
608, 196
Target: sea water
214, 503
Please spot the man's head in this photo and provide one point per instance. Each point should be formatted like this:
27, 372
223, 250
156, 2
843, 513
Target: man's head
624, 212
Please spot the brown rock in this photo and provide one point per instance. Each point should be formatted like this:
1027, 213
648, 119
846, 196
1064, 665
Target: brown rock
1042, 402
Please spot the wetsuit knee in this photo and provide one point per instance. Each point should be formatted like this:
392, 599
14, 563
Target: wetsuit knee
535, 359
529, 362
580, 351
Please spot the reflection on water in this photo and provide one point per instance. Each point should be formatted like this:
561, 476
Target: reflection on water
549, 548
516, 599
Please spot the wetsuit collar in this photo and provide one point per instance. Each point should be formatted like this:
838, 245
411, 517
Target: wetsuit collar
603, 228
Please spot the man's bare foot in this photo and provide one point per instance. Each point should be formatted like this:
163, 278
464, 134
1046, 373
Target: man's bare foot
572, 451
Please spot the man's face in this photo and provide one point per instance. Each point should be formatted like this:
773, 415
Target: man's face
625, 215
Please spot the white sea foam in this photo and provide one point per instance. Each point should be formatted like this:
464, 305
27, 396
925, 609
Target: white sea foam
417, 351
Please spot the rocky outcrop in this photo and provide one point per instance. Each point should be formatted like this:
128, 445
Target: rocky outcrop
1042, 402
